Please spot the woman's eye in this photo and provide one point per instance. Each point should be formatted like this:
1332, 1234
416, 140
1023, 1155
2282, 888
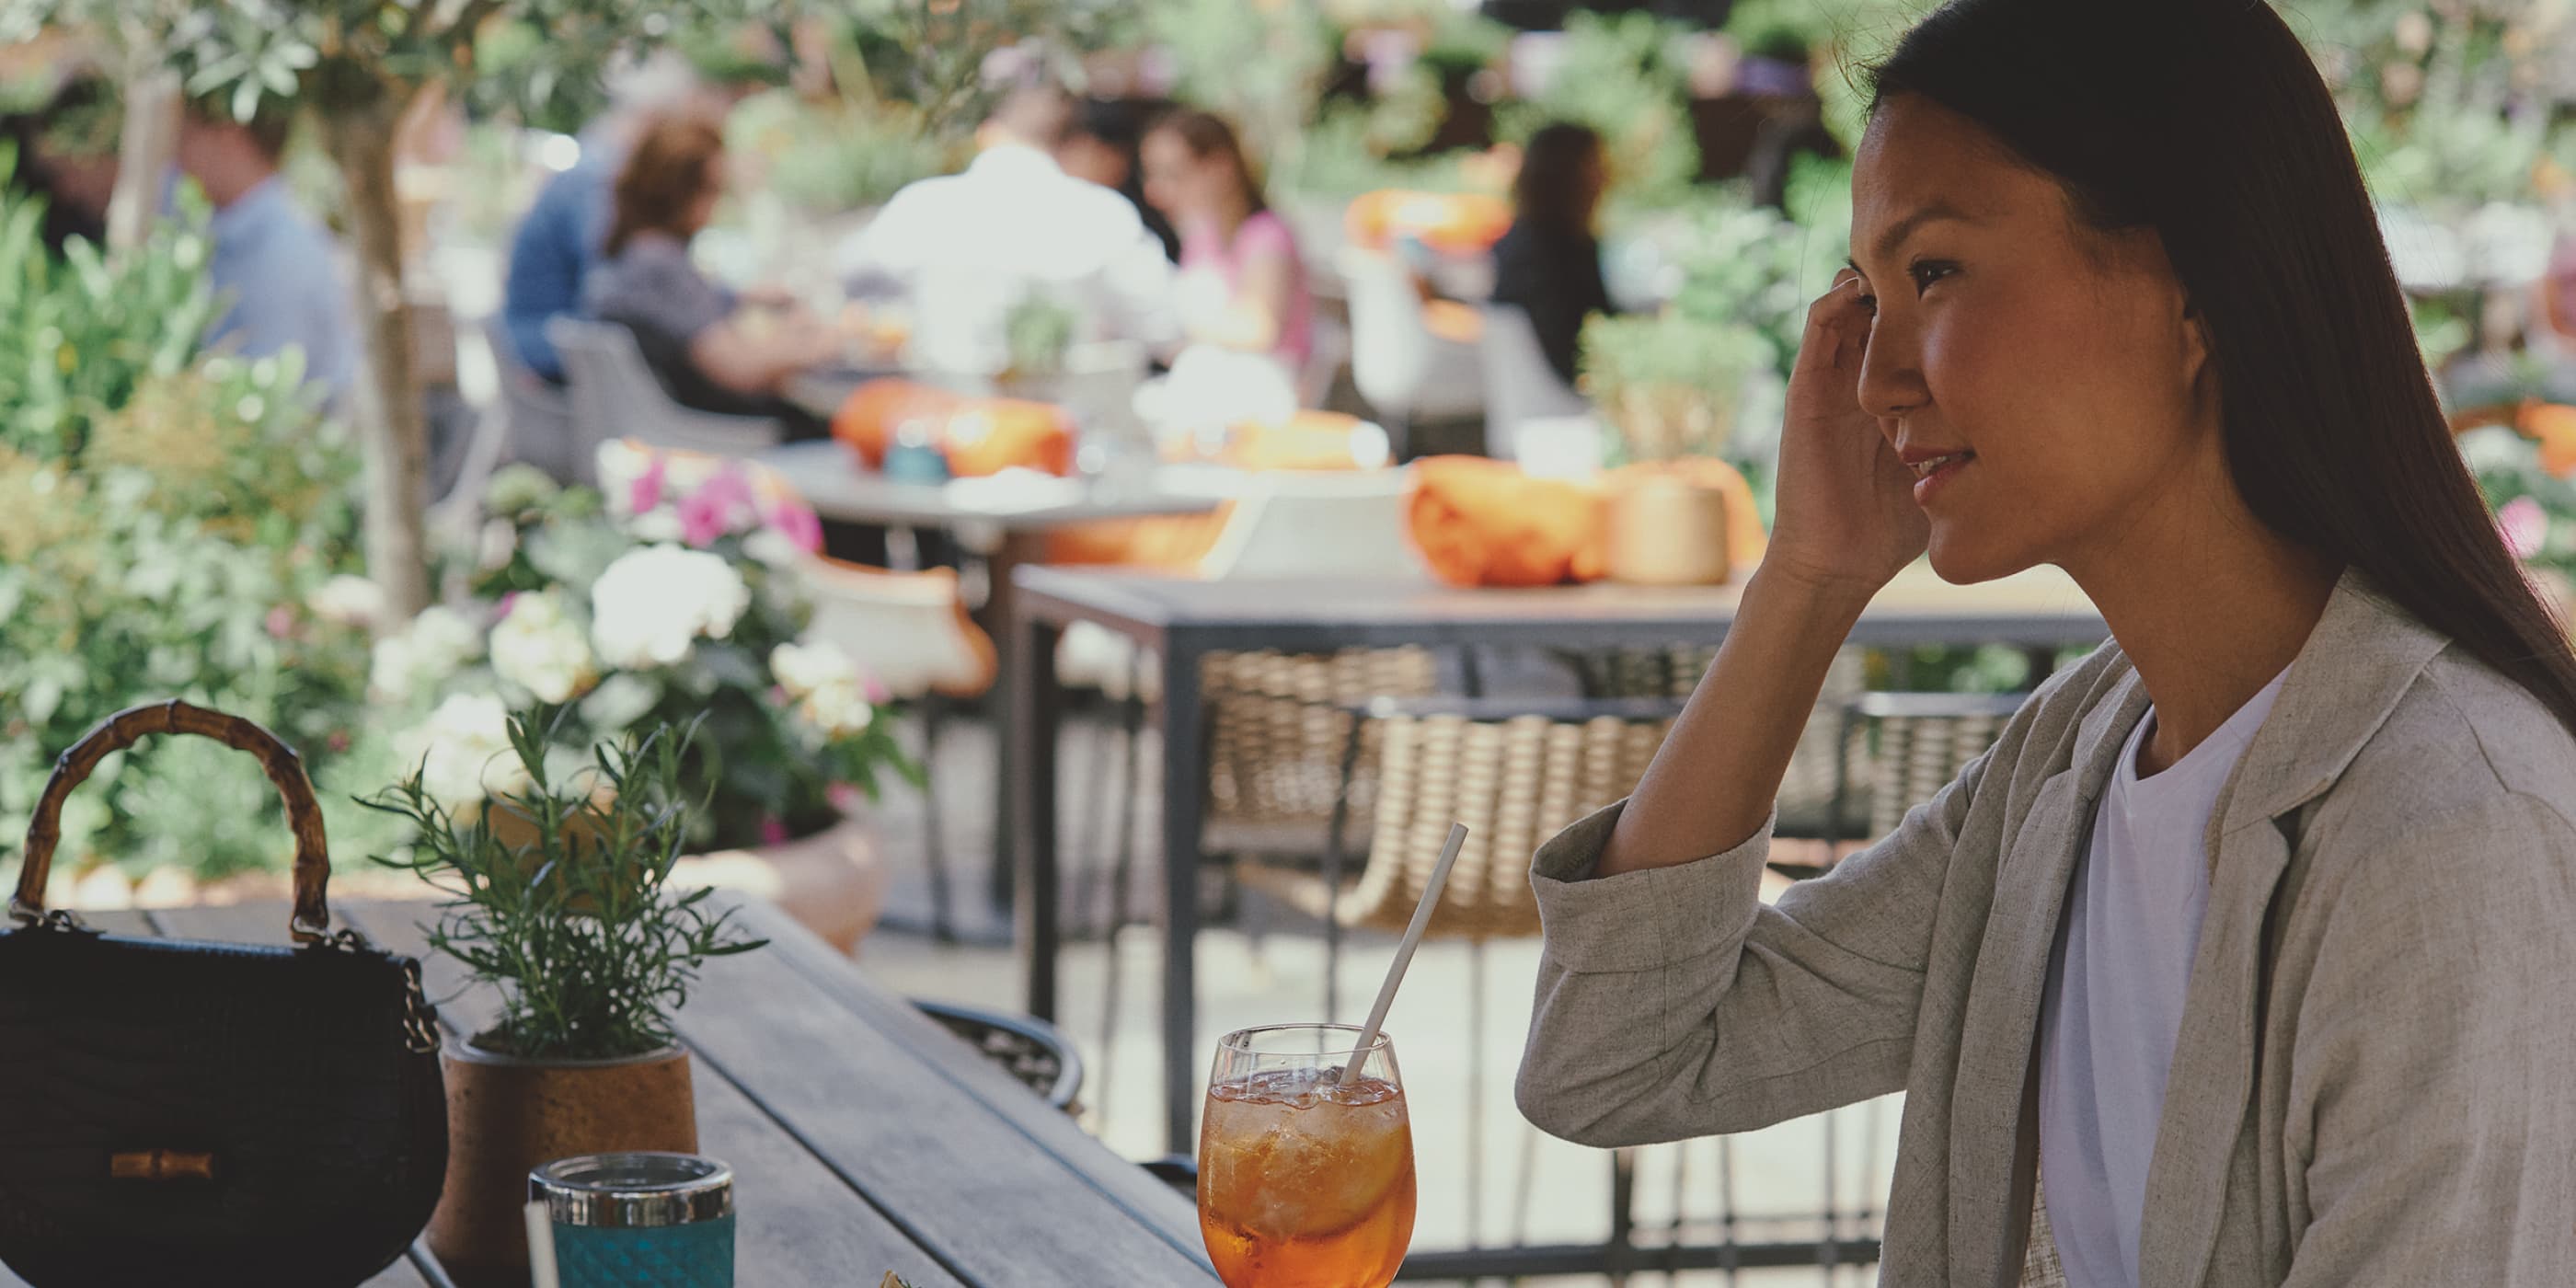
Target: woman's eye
1926, 272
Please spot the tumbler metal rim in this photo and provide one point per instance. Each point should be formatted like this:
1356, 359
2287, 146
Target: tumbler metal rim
633, 1190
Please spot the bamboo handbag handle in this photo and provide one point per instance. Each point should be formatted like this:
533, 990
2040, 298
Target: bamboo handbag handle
311, 921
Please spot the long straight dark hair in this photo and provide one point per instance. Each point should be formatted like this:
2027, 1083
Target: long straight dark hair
2206, 122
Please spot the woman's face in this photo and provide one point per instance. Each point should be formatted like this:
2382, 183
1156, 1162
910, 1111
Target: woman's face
2056, 367
702, 208
1182, 184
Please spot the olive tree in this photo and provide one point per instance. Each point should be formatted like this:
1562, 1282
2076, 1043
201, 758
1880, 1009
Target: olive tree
355, 67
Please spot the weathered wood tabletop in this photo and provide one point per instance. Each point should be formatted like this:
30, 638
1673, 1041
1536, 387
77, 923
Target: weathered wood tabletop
864, 1138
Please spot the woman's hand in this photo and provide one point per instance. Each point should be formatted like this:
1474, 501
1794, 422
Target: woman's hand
1845, 511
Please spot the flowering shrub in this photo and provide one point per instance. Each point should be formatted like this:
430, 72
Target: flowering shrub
670, 597
171, 525
2529, 478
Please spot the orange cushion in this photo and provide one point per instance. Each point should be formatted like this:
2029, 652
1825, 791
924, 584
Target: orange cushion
979, 436
1480, 522
1164, 543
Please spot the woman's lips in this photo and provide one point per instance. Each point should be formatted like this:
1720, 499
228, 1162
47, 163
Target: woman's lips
1939, 474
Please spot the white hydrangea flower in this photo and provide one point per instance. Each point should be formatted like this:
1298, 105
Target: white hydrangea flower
651, 603
436, 645
348, 600
772, 547
803, 668
463, 751
839, 708
538, 647
661, 524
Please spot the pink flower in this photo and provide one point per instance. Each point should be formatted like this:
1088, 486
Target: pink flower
2525, 526
874, 688
712, 510
798, 523
646, 493
773, 832
281, 622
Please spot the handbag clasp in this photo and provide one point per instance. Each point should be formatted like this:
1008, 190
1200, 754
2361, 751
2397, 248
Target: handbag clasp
60, 919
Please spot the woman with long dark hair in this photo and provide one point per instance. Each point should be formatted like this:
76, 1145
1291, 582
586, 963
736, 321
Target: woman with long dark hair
2243, 958
1549, 262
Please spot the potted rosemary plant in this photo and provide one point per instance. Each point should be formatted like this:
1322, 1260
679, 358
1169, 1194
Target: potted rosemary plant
559, 893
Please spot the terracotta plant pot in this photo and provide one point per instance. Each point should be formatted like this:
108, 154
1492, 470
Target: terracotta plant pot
832, 882
1668, 530
506, 1115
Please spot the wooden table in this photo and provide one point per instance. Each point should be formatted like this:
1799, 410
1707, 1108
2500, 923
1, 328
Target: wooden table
864, 1138
1182, 621
1005, 532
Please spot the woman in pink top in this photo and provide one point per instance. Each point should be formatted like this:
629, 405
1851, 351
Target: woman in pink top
1243, 285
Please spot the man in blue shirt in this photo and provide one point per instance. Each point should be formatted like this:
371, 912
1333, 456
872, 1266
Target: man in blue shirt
277, 269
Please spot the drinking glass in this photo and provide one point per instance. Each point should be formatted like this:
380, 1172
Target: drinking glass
1305, 1181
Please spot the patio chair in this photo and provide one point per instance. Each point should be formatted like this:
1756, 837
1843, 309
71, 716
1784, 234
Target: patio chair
542, 429
1030, 1049
912, 632
1519, 385
1407, 372
615, 395
1515, 771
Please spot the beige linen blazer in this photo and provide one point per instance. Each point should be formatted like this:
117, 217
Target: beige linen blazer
2375, 1078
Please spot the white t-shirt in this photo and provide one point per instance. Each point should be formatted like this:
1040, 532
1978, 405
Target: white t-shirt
967, 248
2115, 994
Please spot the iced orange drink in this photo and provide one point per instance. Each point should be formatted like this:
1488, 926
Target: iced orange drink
1305, 1177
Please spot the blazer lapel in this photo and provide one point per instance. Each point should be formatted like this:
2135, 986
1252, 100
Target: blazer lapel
1987, 1112
2359, 661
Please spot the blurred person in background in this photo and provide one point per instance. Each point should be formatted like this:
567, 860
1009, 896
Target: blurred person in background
275, 270
66, 150
965, 250
558, 241
711, 348
1105, 146
1549, 262
1243, 285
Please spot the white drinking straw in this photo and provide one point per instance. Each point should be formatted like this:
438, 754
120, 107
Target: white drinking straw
541, 1247
1404, 951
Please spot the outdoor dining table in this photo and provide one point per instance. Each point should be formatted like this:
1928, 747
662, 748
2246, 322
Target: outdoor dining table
1006, 527
1181, 621
863, 1137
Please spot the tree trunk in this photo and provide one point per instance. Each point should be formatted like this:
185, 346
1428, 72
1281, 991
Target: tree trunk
392, 422
145, 147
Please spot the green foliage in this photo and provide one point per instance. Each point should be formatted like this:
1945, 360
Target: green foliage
85, 330
1345, 154
1039, 332
1624, 77
1672, 383
560, 894
2537, 508
1260, 65
841, 154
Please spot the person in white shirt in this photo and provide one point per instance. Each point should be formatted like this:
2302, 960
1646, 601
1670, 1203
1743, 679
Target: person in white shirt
966, 249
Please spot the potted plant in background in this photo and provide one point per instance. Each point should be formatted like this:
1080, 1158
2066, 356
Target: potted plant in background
1671, 385
674, 598
593, 947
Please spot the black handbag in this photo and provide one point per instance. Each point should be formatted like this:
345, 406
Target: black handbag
193, 1113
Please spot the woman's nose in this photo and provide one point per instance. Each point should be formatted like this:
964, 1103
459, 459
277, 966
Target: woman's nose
1891, 371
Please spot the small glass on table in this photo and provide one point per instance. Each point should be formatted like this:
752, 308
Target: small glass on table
1305, 1175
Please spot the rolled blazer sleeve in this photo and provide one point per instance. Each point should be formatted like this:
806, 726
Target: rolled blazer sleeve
1672, 1003
2432, 1100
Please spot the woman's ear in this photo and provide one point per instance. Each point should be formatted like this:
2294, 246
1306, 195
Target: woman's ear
2197, 351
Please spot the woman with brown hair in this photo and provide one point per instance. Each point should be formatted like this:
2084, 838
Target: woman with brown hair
700, 338
1243, 285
